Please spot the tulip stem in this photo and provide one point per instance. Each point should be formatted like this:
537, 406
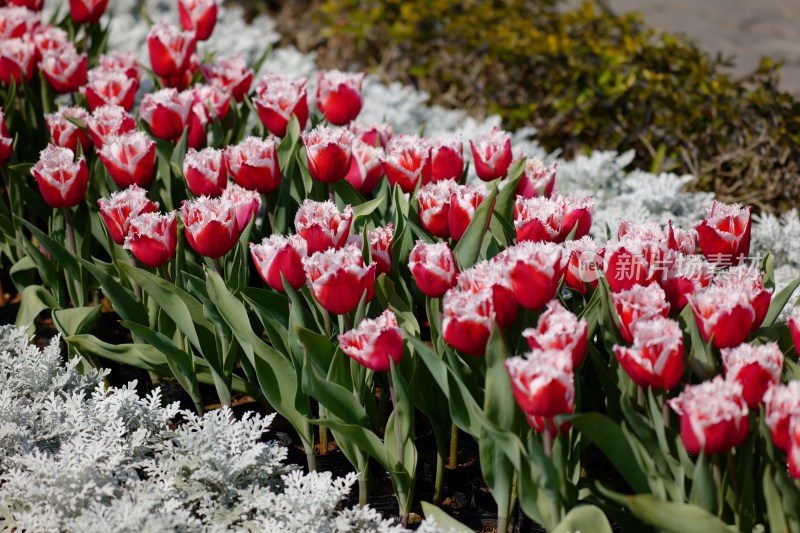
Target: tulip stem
665, 412
453, 462
70, 231
137, 290
437, 482
399, 439
326, 321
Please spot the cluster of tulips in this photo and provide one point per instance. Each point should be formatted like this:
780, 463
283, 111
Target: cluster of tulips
353, 280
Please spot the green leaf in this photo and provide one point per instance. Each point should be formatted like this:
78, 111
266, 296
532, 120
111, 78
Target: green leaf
75, 320
468, 249
504, 207
443, 520
775, 513
669, 516
35, 299
704, 491
59, 253
122, 299
779, 301
584, 518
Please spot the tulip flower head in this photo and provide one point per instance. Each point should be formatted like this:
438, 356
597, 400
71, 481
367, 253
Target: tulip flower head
794, 327
64, 69
781, 403
492, 154
339, 278
434, 207
682, 240
584, 263
278, 98
339, 95
152, 238
167, 112
199, 16
50, 39
494, 277
328, 151
211, 226
543, 382
130, 158
559, 329
253, 164
365, 167
724, 234
114, 87
322, 225
122, 206
724, 314
535, 269
633, 260
749, 279
230, 72
205, 171
755, 368
17, 61
447, 159
375, 343
407, 161
380, 247
170, 49
684, 275
279, 255
62, 180
639, 303
656, 357
17, 22
373, 134
467, 320
433, 267
794, 448
87, 11
123, 61
108, 120
537, 179
464, 201
6, 142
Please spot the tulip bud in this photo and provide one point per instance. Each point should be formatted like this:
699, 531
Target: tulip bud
433, 267
339, 95
277, 256
122, 206
65, 70
536, 179
585, 261
339, 278
373, 134
434, 207
639, 303
633, 260
755, 368
113, 87
328, 151
124, 61
494, 277
87, 11
253, 164
380, 247
62, 180
17, 61
205, 172
167, 112
130, 158
467, 320
492, 154
322, 225
794, 328
536, 269
230, 72
537, 219
199, 16
375, 342
365, 167
447, 160
246, 202
558, 329
578, 213
713, 416
18, 22
108, 120
781, 403
463, 203
280, 97
749, 279
152, 238
723, 314
543, 382
6, 142
170, 49
656, 357
211, 227
724, 235
407, 160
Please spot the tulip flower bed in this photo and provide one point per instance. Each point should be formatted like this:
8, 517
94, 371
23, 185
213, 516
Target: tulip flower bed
401, 299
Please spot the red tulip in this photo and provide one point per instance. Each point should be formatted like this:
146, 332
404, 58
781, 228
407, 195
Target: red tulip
246, 202
751, 280
538, 423
167, 112
113, 87
558, 329
578, 213
87, 11
467, 320
585, 261
680, 240
794, 328
723, 314
6, 142
794, 450
230, 72
536, 269
433, 267
633, 260
380, 247
130, 158
277, 256
537, 219
322, 225
339, 278
494, 277
755, 368
339, 95
215, 99
640, 302
536, 179
122, 206
211, 227
170, 49
17, 22
434, 207
492, 154
447, 160
407, 160
124, 61
683, 275
33, 5
646, 231
205, 172
183, 79
724, 235
197, 137
199, 16
328, 151
65, 70
17, 61
365, 167
375, 342
278, 98
152, 238
463, 203
543, 382
50, 39
781, 403
713, 416
62, 180
253, 164
106, 121
656, 357
373, 134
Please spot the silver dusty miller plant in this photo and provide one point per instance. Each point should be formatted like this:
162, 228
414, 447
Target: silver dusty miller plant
78, 456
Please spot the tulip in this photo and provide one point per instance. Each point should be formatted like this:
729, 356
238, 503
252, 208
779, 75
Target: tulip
639, 303
781, 403
65, 70
723, 314
492, 154
713, 416
124, 61
130, 158
121, 207
558, 329
751, 280
633, 260
537, 219
246, 202
433, 267
650, 230
280, 97
50, 39
106, 121
6, 142
33, 5
541, 423
87, 11
205, 171
536, 179
328, 152
463, 203
794, 328
279, 257
196, 136
62, 180
230, 72
339, 278
322, 225
407, 160
577, 216
434, 207
365, 167
167, 113
17, 22
724, 235
215, 100
656, 357
375, 343
17, 61
152, 238
536, 269
794, 450
114, 87
467, 320
380, 247
199, 16
65, 133
447, 160
170, 49
211, 227
680, 240
339, 95
585, 261
755, 368
373, 134
543, 382
684, 275
183, 79
253, 164
492, 276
